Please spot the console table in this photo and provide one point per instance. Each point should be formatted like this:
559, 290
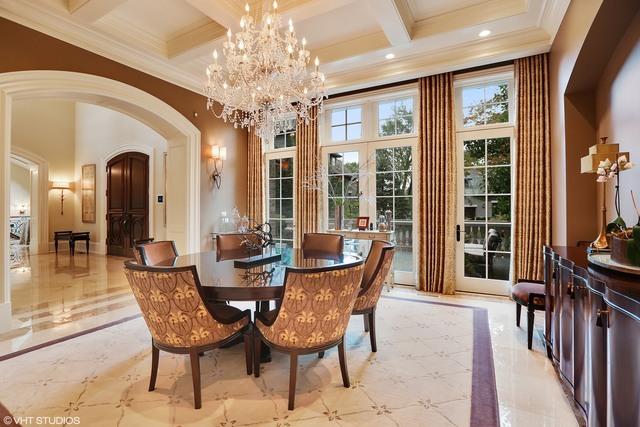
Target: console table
72, 238
592, 334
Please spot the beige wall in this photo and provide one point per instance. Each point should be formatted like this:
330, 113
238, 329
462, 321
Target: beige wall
20, 189
47, 128
564, 53
99, 133
618, 114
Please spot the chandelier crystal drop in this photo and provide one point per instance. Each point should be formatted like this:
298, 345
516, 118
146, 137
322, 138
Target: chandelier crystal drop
264, 80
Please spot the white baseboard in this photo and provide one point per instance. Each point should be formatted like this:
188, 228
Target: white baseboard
6, 321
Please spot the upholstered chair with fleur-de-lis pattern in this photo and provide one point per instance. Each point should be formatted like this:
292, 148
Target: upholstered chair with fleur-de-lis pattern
174, 309
312, 316
376, 269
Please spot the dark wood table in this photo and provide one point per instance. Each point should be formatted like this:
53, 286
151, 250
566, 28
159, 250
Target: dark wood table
222, 281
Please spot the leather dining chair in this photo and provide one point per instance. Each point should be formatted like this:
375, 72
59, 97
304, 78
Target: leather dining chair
229, 245
376, 269
136, 251
311, 317
180, 321
155, 252
322, 244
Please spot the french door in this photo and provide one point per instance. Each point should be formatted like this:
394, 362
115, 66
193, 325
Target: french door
371, 179
485, 211
280, 198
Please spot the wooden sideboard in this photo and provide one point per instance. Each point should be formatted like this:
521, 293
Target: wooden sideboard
592, 334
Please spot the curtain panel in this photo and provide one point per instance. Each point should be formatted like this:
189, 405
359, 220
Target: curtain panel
533, 166
307, 167
255, 178
437, 198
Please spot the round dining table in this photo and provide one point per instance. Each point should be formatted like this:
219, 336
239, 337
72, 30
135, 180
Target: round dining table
222, 280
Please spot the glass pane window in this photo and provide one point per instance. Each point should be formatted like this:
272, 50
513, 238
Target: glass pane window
280, 199
346, 123
485, 104
395, 117
344, 187
286, 138
394, 193
487, 208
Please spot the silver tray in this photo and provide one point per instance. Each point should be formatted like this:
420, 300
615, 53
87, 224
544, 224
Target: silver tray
605, 261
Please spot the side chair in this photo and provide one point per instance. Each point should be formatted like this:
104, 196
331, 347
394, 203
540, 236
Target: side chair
180, 321
311, 317
153, 253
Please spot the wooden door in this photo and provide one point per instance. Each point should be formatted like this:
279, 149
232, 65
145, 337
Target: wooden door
127, 202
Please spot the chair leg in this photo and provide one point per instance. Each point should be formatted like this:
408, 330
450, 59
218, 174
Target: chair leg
530, 321
321, 355
155, 356
195, 375
365, 317
257, 346
343, 365
518, 311
292, 380
372, 330
248, 351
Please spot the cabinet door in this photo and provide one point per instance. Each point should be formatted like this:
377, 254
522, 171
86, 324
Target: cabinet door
597, 344
580, 325
557, 309
623, 369
565, 295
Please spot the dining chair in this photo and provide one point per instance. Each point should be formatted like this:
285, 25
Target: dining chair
312, 316
229, 245
155, 252
322, 244
136, 252
376, 269
532, 295
180, 321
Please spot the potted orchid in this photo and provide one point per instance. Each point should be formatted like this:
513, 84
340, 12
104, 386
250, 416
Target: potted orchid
608, 170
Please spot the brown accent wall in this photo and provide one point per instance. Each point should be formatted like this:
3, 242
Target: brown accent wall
618, 114
580, 55
25, 49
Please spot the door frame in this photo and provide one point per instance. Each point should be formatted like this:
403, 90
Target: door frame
280, 154
101, 210
471, 284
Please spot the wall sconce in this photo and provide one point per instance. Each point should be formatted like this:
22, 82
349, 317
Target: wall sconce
218, 155
61, 185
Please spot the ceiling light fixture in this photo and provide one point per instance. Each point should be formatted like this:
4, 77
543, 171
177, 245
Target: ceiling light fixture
390, 56
263, 77
484, 33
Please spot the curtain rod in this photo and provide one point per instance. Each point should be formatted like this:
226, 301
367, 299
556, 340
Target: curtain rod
405, 82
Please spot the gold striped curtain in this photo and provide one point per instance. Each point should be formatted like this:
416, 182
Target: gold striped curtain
437, 199
255, 183
533, 166
307, 197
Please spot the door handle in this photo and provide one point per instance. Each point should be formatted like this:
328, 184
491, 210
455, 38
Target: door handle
601, 313
458, 232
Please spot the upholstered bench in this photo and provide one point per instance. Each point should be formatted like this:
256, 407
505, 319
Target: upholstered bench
531, 294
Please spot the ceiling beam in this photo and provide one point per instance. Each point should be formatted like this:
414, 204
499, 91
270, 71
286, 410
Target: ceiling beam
224, 12
395, 18
92, 10
194, 44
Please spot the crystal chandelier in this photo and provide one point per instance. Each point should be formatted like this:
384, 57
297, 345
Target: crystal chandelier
264, 80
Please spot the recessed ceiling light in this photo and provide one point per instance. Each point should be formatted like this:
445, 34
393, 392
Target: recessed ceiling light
390, 56
484, 33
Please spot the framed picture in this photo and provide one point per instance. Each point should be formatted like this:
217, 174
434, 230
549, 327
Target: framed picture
362, 222
88, 193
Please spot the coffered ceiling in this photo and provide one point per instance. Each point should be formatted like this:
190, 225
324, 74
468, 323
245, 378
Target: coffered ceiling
173, 39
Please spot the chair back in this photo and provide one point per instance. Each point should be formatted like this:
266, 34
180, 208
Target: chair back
316, 307
172, 304
376, 269
154, 253
136, 251
322, 244
229, 245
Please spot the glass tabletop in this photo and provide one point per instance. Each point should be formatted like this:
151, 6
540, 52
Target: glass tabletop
221, 279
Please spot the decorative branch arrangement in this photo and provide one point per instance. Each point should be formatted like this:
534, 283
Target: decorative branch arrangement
257, 238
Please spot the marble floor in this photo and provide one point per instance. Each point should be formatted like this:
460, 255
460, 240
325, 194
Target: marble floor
57, 296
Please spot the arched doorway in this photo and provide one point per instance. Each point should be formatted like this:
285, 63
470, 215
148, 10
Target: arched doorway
127, 202
183, 153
